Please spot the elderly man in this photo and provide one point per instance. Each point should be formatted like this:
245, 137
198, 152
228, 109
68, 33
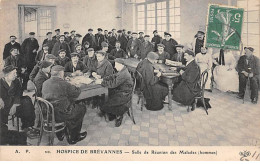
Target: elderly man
49, 41
156, 40
154, 92
90, 38
120, 93
75, 67
42, 53
188, 88
10, 45
147, 47
74, 42
248, 69
134, 47
169, 44
61, 44
162, 54
42, 76
62, 95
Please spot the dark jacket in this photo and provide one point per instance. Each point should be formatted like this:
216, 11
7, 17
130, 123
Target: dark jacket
81, 55
8, 47
189, 86
91, 39
40, 56
68, 69
156, 40
38, 81
91, 63
181, 59
164, 56
111, 42
123, 41
50, 44
16, 61
104, 68
61, 61
72, 44
117, 54
121, 85
154, 93
253, 63
99, 38
58, 46
146, 48
34, 72
170, 46
141, 39
27, 48
134, 47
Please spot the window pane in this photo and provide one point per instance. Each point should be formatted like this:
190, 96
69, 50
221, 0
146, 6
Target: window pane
139, 1
159, 5
177, 35
163, 20
253, 16
140, 14
140, 21
172, 19
171, 4
171, 12
150, 13
163, 5
151, 6
151, 21
177, 3
159, 20
159, 27
253, 28
177, 11
172, 27
164, 27
140, 8
140, 27
164, 12
177, 19
177, 27
159, 13
150, 27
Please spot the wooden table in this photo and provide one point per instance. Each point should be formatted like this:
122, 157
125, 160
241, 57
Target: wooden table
169, 76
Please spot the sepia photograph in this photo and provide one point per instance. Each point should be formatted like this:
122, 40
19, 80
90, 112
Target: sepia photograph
155, 78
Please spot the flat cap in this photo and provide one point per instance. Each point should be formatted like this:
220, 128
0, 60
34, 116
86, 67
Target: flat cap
32, 33
57, 68
120, 60
119, 31
101, 52
200, 32
179, 45
73, 54
57, 30
72, 31
13, 36
50, 56
61, 50
99, 29
45, 45
90, 49
129, 32
109, 32
134, 32
45, 64
61, 36
141, 32
113, 29
147, 36
104, 44
155, 31
13, 49
77, 45
123, 30
152, 55
166, 33
78, 35
49, 33
250, 49
160, 45
66, 33
8, 69
190, 53
90, 29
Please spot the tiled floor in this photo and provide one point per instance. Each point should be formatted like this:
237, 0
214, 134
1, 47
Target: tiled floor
229, 123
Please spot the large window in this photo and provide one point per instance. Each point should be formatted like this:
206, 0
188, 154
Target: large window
251, 26
161, 15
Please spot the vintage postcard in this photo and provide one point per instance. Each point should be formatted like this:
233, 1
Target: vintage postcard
129, 80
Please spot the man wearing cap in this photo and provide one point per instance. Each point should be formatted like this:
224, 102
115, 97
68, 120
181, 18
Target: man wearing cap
61, 44
111, 41
42, 53
42, 76
67, 39
147, 47
248, 68
156, 39
62, 95
74, 42
29, 49
169, 44
15, 103
99, 38
188, 88
90, 61
62, 59
141, 37
114, 32
162, 54
51, 58
179, 55
81, 53
122, 39
129, 35
120, 93
154, 92
75, 67
49, 41
106, 35
89, 37
117, 52
134, 47
72, 35
10, 45
198, 42
56, 37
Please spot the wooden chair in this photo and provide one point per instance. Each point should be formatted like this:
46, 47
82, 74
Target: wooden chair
139, 79
130, 111
47, 117
202, 83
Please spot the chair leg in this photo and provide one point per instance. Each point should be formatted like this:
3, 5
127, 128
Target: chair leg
131, 115
204, 105
18, 124
41, 132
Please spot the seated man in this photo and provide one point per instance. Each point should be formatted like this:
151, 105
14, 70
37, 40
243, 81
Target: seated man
121, 85
117, 52
146, 46
75, 67
104, 67
81, 53
62, 96
50, 58
42, 76
163, 55
179, 55
188, 88
154, 92
91, 61
248, 68
42, 53
15, 103
62, 59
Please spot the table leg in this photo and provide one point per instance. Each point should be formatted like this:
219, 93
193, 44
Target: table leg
170, 96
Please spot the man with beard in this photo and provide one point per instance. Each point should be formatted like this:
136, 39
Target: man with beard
49, 41
10, 45
61, 44
90, 38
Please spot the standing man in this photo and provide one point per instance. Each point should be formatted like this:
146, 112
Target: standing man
67, 39
90, 38
141, 37
122, 39
198, 42
156, 40
56, 37
99, 37
72, 35
10, 45
29, 49
147, 47
129, 35
114, 32
49, 41
134, 46
248, 68
106, 35
169, 44
61, 44
74, 42
111, 41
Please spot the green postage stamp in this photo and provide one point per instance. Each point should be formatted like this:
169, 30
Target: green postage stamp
224, 27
